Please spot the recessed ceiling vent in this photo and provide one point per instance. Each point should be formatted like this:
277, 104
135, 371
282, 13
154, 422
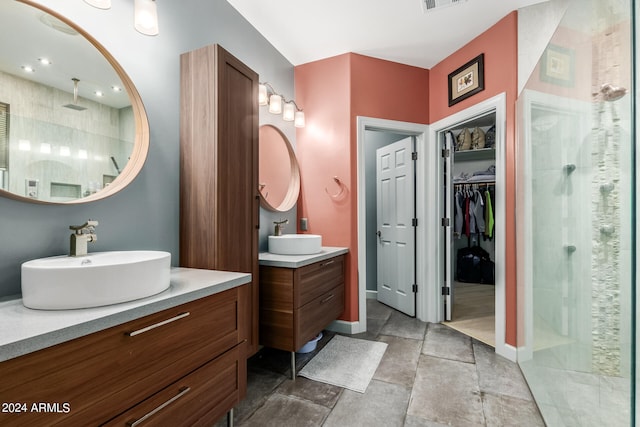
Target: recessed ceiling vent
429, 5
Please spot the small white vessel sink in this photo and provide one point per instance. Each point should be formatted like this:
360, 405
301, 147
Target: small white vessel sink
295, 244
97, 279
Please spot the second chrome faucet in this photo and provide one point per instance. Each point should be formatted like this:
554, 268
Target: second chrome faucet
83, 234
279, 227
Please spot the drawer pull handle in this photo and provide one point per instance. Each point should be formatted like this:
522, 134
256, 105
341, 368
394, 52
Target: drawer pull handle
183, 391
157, 325
327, 298
328, 263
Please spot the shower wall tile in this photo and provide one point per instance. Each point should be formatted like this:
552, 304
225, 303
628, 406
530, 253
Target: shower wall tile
37, 115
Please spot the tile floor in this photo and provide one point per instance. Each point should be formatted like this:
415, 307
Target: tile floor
430, 375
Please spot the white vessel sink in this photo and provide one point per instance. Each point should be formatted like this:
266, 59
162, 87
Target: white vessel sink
97, 279
295, 244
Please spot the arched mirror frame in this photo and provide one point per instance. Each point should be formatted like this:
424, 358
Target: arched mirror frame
141, 140
293, 190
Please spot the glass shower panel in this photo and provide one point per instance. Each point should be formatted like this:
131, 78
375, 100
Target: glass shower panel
574, 215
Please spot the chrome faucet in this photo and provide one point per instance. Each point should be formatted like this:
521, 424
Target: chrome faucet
84, 234
280, 226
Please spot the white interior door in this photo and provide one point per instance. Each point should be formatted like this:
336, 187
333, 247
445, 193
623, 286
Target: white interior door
395, 180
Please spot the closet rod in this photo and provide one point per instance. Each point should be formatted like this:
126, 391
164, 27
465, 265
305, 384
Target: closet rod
475, 183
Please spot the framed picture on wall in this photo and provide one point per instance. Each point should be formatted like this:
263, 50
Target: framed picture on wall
467, 80
557, 65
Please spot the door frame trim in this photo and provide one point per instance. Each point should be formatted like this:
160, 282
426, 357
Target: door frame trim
435, 263
420, 132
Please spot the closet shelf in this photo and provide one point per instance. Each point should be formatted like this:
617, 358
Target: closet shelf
481, 154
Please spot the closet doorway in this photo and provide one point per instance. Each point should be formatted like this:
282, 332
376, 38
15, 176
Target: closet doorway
467, 169
469, 176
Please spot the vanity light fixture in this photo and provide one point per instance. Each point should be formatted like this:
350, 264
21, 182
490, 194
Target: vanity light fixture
275, 104
100, 4
145, 14
289, 111
278, 104
146, 17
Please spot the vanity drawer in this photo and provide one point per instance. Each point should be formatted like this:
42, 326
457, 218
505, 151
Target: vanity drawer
317, 314
198, 399
104, 373
318, 278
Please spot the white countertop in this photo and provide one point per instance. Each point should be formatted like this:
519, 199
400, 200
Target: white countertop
23, 330
296, 261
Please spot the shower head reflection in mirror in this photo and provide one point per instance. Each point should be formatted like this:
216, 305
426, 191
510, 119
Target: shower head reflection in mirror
99, 118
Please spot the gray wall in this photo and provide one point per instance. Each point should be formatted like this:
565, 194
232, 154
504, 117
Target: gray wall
145, 215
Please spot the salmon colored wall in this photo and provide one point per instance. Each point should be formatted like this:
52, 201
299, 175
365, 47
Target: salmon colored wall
333, 93
500, 47
323, 151
388, 90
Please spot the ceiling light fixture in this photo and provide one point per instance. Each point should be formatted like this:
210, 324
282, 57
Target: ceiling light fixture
145, 14
278, 104
44, 61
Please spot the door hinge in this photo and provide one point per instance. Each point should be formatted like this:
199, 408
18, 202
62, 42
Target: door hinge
415, 288
446, 290
414, 222
446, 152
446, 222
414, 155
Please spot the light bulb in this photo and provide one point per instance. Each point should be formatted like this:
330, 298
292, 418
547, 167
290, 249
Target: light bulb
262, 95
299, 119
288, 112
146, 17
275, 104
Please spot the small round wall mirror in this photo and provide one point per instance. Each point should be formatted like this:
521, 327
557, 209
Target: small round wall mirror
279, 182
72, 125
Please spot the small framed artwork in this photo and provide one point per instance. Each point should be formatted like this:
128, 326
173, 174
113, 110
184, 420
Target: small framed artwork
466, 80
557, 65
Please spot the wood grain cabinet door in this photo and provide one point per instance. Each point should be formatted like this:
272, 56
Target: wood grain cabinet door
219, 200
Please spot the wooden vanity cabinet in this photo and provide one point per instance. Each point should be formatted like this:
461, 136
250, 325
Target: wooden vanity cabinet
297, 303
191, 356
219, 199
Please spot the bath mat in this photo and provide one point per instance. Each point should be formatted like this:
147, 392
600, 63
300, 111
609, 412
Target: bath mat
346, 362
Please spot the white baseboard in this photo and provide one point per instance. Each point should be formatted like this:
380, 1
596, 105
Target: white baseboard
508, 351
372, 294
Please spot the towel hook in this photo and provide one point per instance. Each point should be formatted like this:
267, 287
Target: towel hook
261, 187
339, 193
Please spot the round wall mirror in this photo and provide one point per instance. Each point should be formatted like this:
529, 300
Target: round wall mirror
279, 183
72, 125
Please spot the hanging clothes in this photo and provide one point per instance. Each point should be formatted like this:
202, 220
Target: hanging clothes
476, 212
488, 215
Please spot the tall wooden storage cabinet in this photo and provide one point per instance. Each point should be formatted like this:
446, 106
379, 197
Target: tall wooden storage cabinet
219, 200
